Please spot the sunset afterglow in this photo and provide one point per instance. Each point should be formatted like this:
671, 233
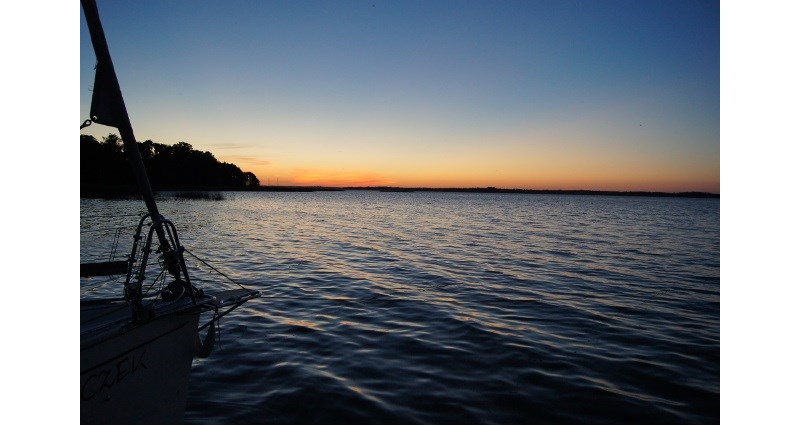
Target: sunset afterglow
619, 95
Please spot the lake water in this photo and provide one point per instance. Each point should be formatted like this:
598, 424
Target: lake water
462, 308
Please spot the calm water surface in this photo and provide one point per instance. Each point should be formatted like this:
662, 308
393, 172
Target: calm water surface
433, 308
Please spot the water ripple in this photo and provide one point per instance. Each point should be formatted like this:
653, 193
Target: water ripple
436, 308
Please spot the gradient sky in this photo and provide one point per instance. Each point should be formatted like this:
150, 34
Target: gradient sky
610, 95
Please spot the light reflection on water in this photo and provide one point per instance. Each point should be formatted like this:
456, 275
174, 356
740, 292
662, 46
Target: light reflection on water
450, 308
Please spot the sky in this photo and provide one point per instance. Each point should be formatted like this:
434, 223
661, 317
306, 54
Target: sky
599, 95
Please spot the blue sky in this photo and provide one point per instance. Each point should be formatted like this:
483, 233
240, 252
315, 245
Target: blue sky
597, 95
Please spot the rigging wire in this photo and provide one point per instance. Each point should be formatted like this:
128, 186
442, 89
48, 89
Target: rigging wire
215, 269
155, 280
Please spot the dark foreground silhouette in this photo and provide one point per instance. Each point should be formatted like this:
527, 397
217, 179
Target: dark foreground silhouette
105, 170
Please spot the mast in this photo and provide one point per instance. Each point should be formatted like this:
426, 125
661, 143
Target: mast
108, 108
113, 106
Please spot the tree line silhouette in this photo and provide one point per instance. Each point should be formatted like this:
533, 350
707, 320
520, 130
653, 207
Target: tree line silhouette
104, 167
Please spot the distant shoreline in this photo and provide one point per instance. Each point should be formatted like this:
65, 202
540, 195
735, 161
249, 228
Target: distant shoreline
545, 191
129, 191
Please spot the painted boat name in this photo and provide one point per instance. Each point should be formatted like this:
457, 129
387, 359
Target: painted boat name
111, 374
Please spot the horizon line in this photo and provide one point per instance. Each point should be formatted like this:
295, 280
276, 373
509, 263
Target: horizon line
491, 189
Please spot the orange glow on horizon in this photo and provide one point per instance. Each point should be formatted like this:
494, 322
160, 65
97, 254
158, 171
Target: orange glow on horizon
542, 172
375, 180
303, 177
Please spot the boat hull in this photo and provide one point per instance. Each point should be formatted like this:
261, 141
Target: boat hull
138, 375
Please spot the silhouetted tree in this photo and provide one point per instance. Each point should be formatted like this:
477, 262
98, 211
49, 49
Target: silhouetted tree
250, 180
178, 166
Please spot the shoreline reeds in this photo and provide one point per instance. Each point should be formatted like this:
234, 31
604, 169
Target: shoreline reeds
201, 195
